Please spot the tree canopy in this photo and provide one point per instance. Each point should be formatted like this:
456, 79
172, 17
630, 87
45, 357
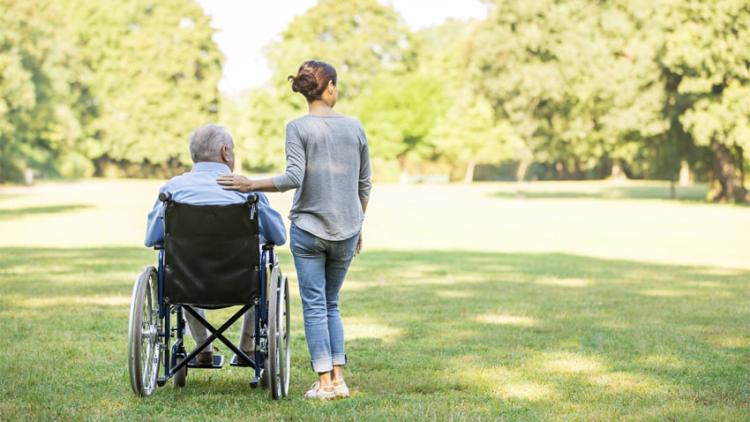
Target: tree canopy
560, 88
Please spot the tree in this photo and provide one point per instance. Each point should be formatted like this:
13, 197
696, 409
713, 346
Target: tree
372, 50
361, 38
153, 70
400, 114
706, 61
39, 87
468, 135
257, 122
574, 78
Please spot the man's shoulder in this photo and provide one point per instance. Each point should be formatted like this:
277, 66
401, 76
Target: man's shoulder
176, 181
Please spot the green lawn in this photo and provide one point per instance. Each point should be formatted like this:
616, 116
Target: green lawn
433, 332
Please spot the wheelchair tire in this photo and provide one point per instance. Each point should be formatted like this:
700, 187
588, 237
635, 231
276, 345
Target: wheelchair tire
264, 375
144, 346
279, 350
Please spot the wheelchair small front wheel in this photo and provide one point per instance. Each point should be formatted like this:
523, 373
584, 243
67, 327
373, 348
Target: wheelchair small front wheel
180, 377
144, 347
279, 350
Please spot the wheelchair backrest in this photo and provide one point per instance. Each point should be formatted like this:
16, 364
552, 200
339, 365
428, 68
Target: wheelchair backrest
211, 254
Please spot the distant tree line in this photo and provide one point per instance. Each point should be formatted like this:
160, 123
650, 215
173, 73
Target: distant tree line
103, 87
543, 89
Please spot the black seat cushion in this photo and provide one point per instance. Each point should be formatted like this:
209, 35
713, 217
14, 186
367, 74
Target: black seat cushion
212, 254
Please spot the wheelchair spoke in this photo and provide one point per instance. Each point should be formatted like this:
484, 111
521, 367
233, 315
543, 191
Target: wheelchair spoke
143, 334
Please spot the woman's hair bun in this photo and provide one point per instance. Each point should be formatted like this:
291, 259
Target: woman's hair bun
312, 79
304, 83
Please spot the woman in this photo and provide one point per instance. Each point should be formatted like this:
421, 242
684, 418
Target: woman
328, 164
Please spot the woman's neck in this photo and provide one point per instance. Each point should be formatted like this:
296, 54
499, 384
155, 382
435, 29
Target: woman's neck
320, 108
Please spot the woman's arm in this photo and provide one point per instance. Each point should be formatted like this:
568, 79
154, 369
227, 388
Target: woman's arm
365, 181
243, 184
290, 179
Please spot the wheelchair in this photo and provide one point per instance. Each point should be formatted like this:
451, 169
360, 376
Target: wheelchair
211, 258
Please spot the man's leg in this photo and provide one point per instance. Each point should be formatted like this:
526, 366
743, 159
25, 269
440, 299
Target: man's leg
247, 339
200, 334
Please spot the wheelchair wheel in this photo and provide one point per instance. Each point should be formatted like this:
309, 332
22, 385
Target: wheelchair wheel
264, 375
144, 347
279, 350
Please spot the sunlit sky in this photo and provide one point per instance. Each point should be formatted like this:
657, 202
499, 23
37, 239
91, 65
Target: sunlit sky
245, 27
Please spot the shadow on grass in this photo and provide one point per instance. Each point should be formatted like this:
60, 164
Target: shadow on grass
13, 213
461, 334
689, 194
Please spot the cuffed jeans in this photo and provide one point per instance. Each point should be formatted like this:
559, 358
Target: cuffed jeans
321, 268
200, 333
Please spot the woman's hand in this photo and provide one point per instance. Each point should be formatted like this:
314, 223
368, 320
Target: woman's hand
236, 182
358, 248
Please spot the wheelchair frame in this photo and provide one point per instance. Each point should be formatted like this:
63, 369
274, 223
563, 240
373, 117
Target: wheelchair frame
272, 354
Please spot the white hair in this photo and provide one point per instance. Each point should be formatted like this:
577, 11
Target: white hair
206, 143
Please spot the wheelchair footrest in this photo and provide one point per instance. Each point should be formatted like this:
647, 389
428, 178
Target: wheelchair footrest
236, 361
218, 363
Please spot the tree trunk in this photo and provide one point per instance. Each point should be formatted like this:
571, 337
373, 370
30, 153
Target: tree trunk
28, 176
469, 177
618, 174
578, 170
728, 183
686, 176
523, 165
741, 165
402, 166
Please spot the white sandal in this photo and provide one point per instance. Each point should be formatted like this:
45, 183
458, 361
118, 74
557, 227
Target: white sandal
316, 392
340, 389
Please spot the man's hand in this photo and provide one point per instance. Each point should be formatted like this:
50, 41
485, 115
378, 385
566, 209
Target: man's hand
236, 182
358, 248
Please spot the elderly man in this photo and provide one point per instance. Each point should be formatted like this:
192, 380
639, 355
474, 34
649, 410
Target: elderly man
212, 151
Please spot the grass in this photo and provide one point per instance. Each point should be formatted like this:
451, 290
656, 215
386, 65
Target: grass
13, 213
598, 190
450, 334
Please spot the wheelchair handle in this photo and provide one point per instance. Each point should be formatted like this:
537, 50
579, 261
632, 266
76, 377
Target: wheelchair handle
252, 199
165, 196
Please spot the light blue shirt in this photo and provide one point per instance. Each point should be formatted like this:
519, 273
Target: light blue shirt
199, 187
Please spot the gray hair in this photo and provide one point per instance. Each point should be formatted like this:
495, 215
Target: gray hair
206, 143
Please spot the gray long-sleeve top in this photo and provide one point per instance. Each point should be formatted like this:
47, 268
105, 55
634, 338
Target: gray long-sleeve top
328, 163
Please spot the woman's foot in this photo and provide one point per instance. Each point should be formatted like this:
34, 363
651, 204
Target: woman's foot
320, 393
340, 389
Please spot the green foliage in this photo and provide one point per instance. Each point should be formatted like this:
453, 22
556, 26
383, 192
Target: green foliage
361, 38
86, 80
372, 51
568, 87
573, 78
153, 69
257, 121
38, 88
400, 113
707, 46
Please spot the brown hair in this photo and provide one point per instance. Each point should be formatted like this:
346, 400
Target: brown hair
312, 79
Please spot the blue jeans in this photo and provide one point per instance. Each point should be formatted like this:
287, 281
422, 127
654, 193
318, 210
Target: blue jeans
321, 268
